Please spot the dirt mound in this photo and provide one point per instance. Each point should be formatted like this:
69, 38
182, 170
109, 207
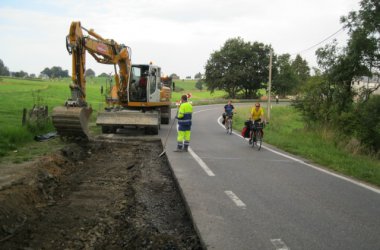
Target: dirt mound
97, 195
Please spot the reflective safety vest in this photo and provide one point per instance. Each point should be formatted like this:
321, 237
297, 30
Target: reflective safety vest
184, 116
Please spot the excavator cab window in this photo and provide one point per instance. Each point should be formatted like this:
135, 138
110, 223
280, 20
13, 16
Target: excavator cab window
152, 81
139, 83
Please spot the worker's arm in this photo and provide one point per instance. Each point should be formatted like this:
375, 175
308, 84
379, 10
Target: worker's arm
181, 112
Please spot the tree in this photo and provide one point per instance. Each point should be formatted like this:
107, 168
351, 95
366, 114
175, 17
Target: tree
199, 84
238, 66
301, 69
47, 72
286, 80
363, 50
103, 75
174, 76
4, 71
20, 74
290, 74
55, 72
90, 73
198, 76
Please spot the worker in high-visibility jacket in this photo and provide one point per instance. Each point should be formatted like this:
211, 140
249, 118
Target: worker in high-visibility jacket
184, 116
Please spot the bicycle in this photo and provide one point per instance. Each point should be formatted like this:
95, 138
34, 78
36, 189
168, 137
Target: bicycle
228, 124
258, 139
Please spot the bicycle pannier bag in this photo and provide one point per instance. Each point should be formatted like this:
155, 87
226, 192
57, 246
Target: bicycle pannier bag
245, 132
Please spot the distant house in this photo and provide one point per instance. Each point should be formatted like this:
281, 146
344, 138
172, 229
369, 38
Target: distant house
367, 83
188, 77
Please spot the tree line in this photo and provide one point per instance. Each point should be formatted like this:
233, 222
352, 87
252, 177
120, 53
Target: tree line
242, 69
329, 99
53, 72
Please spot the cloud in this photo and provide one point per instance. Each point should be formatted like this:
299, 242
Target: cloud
179, 35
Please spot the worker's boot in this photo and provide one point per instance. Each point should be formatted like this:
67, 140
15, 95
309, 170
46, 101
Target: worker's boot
179, 148
186, 148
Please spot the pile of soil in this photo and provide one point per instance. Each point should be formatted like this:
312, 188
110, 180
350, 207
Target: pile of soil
97, 195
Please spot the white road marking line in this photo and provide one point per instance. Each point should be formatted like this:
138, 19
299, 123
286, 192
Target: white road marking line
235, 199
201, 163
222, 158
373, 189
279, 244
204, 110
325, 171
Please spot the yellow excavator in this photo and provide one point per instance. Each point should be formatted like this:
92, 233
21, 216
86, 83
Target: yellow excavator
138, 97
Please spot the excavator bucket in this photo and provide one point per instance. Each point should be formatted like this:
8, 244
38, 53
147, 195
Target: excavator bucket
71, 121
129, 118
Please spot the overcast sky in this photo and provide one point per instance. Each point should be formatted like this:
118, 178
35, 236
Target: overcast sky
178, 35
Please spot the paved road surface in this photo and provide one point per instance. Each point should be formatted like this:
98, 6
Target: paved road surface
241, 198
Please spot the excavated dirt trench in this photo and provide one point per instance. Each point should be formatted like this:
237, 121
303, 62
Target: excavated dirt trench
97, 195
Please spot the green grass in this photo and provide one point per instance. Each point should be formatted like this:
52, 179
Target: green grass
17, 94
197, 96
286, 131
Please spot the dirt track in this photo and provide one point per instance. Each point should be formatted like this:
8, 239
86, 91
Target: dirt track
98, 195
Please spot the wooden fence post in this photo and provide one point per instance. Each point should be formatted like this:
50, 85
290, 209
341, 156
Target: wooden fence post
24, 117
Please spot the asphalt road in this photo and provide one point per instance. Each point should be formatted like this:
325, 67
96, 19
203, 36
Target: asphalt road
240, 198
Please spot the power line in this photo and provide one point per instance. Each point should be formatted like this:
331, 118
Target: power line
320, 41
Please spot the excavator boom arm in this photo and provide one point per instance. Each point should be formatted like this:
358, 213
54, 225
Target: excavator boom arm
72, 119
104, 51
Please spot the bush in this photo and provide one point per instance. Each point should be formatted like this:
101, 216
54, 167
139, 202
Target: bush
12, 136
368, 129
347, 123
199, 85
178, 89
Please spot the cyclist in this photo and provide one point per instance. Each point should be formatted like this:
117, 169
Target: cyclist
257, 116
228, 111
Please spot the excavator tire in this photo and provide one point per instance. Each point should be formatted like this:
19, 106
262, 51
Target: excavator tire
109, 129
165, 114
71, 121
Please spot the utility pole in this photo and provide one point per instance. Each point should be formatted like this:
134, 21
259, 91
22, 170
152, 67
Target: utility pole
269, 83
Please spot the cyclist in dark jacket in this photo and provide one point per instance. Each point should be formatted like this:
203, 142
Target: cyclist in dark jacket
228, 111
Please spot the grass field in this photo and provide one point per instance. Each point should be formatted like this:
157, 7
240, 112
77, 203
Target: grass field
17, 94
287, 131
197, 96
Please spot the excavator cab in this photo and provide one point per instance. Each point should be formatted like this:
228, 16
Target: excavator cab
146, 106
145, 83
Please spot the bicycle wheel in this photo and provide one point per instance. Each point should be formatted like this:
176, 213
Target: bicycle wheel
259, 139
252, 138
230, 127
